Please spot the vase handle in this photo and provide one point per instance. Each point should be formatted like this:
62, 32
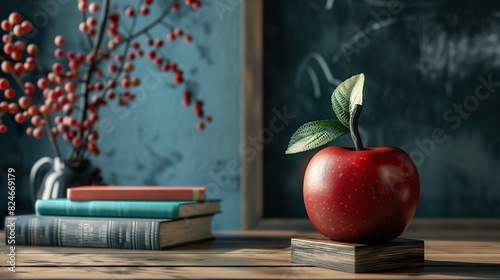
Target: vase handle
34, 171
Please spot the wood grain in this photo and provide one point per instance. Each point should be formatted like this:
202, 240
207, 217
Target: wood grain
242, 273
356, 258
251, 254
252, 174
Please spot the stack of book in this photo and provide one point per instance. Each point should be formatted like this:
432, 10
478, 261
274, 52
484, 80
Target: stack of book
148, 218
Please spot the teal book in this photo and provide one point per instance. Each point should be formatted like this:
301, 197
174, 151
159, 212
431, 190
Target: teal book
127, 209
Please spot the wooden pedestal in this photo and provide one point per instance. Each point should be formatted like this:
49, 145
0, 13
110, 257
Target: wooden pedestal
355, 258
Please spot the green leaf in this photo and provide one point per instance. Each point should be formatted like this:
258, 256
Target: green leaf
346, 95
315, 134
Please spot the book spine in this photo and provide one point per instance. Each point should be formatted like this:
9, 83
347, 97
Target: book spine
94, 233
116, 209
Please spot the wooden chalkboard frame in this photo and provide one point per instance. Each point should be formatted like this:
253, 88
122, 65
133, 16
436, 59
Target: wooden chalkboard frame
252, 102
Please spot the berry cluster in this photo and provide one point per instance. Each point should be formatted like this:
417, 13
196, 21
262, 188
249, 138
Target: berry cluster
65, 100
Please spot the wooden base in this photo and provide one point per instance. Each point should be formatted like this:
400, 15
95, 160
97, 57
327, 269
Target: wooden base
355, 258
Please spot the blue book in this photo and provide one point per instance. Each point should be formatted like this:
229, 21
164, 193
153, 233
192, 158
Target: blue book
127, 209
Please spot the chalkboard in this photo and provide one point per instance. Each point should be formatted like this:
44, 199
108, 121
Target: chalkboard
429, 65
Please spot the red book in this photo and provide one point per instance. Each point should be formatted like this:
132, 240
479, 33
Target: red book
136, 193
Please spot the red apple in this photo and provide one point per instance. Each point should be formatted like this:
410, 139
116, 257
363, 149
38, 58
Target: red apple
365, 196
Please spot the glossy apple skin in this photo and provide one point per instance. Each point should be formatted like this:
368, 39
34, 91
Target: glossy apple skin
367, 196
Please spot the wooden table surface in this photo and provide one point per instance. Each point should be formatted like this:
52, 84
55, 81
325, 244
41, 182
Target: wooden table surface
465, 249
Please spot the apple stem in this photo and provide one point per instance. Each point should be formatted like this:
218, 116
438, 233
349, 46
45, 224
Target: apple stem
353, 124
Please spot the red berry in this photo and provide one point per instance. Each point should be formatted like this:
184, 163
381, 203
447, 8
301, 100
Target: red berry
18, 30
93, 8
82, 5
90, 58
6, 25
33, 110
144, 10
135, 82
125, 83
19, 68
136, 45
118, 58
14, 18
129, 67
26, 26
151, 54
24, 102
29, 89
72, 98
70, 87
148, 2
173, 66
175, 6
19, 118
80, 57
92, 146
76, 142
150, 42
36, 120
4, 107
9, 93
19, 46
196, 4
129, 12
8, 48
73, 64
178, 32
114, 17
159, 42
37, 132
83, 27
57, 68
29, 66
4, 83
59, 40
158, 61
165, 67
58, 53
93, 136
171, 36
188, 38
6, 38
90, 87
200, 126
29, 131
98, 74
140, 53
70, 55
42, 83
178, 80
99, 86
110, 94
208, 119
16, 55
7, 66
91, 21
112, 68
13, 108
3, 128
130, 56
67, 109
